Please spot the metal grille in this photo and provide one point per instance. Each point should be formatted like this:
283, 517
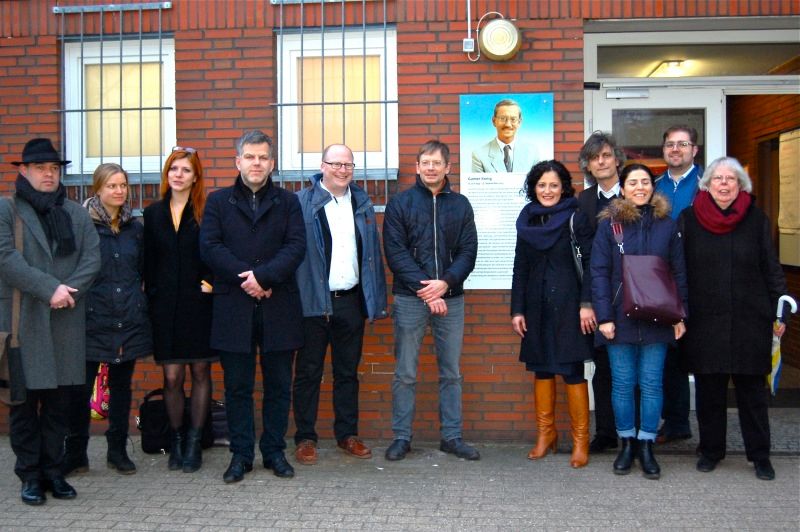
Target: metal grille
112, 143
334, 45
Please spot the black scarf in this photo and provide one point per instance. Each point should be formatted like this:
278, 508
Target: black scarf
541, 226
50, 208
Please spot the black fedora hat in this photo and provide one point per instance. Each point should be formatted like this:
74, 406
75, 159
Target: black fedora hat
40, 151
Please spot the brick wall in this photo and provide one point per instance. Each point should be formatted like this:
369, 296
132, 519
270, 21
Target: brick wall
225, 80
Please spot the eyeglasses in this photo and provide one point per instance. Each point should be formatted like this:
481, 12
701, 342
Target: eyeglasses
723, 178
338, 166
431, 164
680, 144
513, 120
181, 148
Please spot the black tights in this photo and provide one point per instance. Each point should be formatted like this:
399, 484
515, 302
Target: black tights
174, 378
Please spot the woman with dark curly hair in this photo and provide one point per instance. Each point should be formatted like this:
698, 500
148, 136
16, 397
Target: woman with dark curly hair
551, 307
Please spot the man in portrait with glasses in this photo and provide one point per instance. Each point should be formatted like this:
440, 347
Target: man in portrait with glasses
431, 243
503, 153
341, 282
679, 185
253, 239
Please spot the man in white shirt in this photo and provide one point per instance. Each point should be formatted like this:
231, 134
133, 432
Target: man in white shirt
342, 282
503, 153
601, 160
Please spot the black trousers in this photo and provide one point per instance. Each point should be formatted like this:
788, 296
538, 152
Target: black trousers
676, 396
119, 407
344, 332
38, 427
712, 417
601, 386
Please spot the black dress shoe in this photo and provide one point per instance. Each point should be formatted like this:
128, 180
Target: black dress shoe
602, 443
764, 469
706, 464
398, 450
280, 467
624, 460
33, 492
235, 472
667, 437
457, 447
650, 468
61, 489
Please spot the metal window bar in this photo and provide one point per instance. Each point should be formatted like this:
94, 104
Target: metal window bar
379, 178
82, 181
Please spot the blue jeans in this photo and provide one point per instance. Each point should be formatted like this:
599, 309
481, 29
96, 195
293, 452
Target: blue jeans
239, 376
411, 316
633, 364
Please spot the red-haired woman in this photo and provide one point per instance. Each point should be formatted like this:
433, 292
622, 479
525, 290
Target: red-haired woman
178, 287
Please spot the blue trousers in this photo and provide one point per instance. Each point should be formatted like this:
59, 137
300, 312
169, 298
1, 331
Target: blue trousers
411, 317
633, 364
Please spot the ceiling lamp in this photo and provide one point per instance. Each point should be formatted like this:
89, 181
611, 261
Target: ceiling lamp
671, 68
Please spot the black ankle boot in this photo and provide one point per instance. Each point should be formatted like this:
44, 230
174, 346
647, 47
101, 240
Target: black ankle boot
117, 457
75, 458
648, 462
193, 455
622, 465
176, 451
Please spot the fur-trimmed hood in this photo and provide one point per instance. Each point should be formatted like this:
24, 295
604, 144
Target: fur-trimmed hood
626, 212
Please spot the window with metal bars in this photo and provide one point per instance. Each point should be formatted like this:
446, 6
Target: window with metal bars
118, 95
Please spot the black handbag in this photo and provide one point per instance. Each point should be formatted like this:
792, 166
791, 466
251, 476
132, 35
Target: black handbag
12, 377
577, 256
153, 423
649, 291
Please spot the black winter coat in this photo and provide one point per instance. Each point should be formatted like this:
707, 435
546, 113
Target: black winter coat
545, 289
272, 243
117, 325
429, 237
179, 311
735, 281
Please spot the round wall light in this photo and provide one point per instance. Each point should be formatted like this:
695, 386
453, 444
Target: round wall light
499, 39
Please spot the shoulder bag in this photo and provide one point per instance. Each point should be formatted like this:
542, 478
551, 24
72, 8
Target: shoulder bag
649, 292
12, 378
577, 256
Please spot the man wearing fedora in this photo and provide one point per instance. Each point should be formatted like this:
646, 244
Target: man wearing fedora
58, 263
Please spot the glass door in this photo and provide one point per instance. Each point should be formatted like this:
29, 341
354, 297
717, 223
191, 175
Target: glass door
638, 117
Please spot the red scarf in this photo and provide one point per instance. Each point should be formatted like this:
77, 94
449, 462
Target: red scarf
714, 219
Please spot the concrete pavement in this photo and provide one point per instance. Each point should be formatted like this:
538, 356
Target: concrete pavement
429, 490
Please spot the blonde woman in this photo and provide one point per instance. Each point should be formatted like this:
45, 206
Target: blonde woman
117, 325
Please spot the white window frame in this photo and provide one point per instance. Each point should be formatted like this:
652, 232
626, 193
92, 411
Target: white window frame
355, 41
152, 50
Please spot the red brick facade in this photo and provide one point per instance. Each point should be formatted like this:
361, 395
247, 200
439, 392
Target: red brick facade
225, 81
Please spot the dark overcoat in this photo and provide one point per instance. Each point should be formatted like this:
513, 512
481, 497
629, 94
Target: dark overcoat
179, 311
272, 243
545, 288
52, 341
117, 324
735, 281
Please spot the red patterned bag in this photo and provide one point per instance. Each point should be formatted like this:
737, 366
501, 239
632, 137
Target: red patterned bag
98, 403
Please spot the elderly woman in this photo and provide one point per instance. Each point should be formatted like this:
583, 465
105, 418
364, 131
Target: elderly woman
735, 281
636, 348
551, 309
117, 325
